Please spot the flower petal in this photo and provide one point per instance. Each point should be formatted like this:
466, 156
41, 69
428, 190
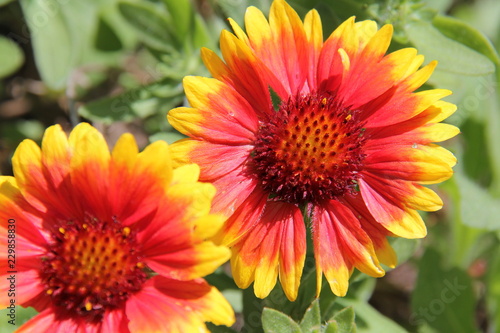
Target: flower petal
418, 163
281, 44
55, 160
229, 120
243, 219
232, 190
48, 321
314, 34
172, 245
203, 153
410, 132
284, 240
26, 221
388, 207
188, 263
330, 68
27, 286
114, 321
335, 224
377, 233
264, 252
248, 75
186, 173
292, 248
183, 306
137, 180
27, 167
42, 322
90, 160
329, 256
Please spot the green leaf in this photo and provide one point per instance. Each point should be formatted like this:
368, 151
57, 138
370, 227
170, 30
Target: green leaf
3, 3
463, 33
22, 316
136, 103
311, 322
219, 329
361, 286
169, 137
52, 43
476, 161
201, 37
452, 56
106, 38
465, 243
438, 5
181, 13
345, 320
151, 24
368, 319
236, 9
493, 287
64, 38
275, 98
443, 298
478, 208
404, 248
11, 57
492, 104
274, 321
331, 327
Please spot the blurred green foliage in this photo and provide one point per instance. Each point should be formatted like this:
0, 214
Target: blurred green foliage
119, 64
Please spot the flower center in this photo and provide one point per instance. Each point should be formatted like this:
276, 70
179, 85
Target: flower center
92, 267
311, 150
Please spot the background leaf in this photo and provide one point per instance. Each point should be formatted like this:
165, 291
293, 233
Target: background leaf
153, 25
274, 321
53, 46
452, 56
443, 298
345, 320
11, 57
368, 319
136, 103
311, 322
465, 34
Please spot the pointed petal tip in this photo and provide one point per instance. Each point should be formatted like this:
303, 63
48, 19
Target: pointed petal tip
339, 289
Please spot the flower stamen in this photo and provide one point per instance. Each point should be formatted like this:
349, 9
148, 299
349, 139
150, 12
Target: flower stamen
310, 151
92, 267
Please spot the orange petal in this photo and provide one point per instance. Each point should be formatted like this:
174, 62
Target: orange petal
418, 163
228, 119
232, 190
281, 44
245, 217
389, 210
314, 34
334, 223
275, 245
184, 306
215, 160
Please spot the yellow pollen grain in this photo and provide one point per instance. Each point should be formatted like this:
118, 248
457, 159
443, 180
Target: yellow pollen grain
348, 117
85, 226
61, 230
140, 265
88, 306
324, 101
50, 291
126, 231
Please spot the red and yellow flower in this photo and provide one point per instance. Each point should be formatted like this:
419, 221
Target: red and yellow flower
292, 126
109, 242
